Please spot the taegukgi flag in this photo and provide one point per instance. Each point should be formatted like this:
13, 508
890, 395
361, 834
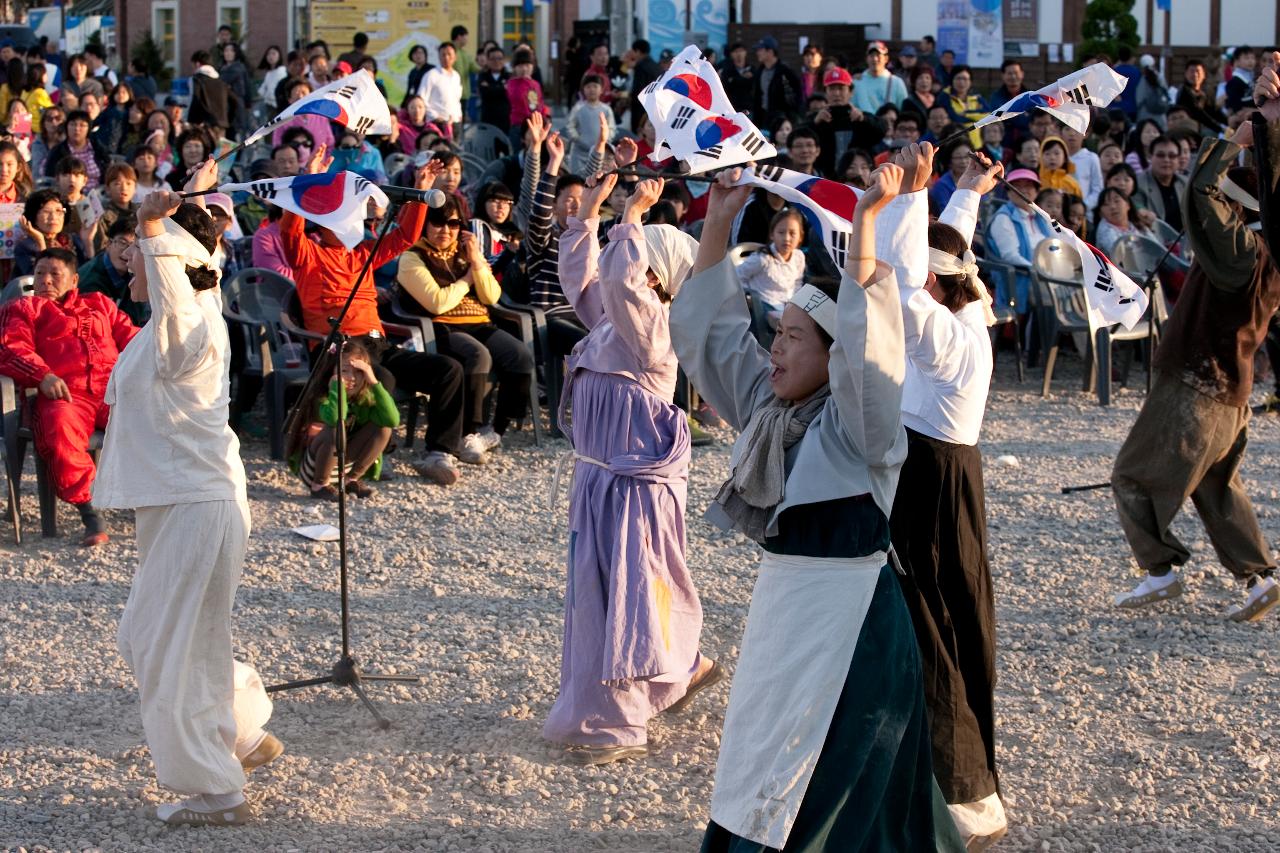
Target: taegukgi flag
1068, 99
694, 120
1112, 296
336, 200
827, 205
352, 101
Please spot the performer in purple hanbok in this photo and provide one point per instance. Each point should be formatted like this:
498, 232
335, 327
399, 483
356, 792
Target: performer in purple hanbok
632, 616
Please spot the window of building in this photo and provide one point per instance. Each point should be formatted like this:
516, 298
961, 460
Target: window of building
518, 26
231, 13
164, 30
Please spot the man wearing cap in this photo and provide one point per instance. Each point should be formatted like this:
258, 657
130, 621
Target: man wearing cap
1189, 439
906, 62
777, 90
840, 125
1013, 234
877, 86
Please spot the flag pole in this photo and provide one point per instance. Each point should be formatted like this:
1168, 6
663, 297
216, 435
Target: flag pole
229, 152
200, 192
964, 131
650, 174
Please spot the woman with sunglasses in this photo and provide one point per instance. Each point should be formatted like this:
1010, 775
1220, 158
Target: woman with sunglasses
445, 275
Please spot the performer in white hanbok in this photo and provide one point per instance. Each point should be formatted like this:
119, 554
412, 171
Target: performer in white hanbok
826, 742
938, 524
170, 455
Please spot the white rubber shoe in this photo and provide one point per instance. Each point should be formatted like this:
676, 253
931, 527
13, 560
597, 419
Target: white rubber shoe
1261, 597
1153, 590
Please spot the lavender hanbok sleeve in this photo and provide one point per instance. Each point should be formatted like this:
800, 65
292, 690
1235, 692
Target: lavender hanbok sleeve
711, 333
579, 269
639, 318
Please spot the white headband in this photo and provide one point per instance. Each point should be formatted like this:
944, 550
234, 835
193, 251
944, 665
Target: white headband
192, 251
818, 305
945, 263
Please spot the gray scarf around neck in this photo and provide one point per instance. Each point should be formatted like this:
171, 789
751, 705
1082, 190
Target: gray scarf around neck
758, 480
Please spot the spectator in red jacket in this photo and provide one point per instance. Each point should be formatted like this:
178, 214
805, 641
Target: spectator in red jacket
64, 344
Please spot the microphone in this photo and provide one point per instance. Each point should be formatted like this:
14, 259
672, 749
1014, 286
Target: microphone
431, 198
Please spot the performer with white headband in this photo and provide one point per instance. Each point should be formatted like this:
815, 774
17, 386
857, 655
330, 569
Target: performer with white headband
632, 615
939, 515
170, 454
826, 740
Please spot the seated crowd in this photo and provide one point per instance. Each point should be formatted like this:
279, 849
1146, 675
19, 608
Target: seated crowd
79, 152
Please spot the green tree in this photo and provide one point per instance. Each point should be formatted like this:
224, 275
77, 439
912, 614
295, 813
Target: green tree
147, 51
1108, 24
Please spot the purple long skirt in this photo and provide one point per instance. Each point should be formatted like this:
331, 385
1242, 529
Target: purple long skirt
632, 616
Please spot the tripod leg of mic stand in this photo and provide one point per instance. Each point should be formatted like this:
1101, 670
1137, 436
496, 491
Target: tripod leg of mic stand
411, 679
305, 682
383, 722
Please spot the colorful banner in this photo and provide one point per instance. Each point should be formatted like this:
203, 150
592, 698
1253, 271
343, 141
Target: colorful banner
986, 33
10, 228
393, 29
665, 24
953, 29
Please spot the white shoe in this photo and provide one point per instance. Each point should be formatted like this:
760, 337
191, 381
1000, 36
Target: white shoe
1262, 596
473, 450
1152, 590
491, 439
438, 467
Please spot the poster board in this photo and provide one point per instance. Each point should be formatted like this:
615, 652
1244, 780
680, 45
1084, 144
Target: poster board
10, 228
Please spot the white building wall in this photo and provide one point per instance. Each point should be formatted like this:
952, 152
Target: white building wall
827, 12
1050, 21
588, 9
1256, 28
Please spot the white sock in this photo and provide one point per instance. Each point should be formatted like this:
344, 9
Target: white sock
203, 803
1151, 583
248, 742
982, 818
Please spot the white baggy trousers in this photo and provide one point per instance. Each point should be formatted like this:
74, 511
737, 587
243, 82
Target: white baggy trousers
176, 636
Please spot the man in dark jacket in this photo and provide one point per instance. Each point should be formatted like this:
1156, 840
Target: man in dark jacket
491, 83
841, 126
777, 90
1189, 439
739, 78
108, 272
212, 102
644, 70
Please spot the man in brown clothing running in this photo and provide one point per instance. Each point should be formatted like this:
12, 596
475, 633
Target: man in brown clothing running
1189, 439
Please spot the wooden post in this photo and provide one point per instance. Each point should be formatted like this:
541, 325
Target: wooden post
1215, 22
1150, 39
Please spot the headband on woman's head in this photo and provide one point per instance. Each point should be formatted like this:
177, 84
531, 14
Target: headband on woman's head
192, 250
819, 306
945, 263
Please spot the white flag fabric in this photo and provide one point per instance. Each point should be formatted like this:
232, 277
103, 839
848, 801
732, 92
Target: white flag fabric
352, 101
827, 205
1112, 296
336, 200
1068, 99
694, 120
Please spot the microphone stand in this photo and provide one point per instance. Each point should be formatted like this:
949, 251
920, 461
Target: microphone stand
344, 672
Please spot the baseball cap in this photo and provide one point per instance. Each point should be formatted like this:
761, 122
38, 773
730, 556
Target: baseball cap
878, 47
907, 51
1147, 61
1023, 175
6, 42
344, 67
837, 77
769, 43
222, 201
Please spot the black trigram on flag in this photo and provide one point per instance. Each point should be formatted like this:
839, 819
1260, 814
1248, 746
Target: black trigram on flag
713, 152
1079, 95
683, 115
263, 189
839, 246
360, 185
362, 126
346, 92
770, 173
1103, 281
652, 87
753, 143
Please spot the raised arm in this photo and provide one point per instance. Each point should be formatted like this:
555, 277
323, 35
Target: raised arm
1266, 152
902, 229
1222, 244
710, 325
867, 360
580, 253
538, 130
538, 235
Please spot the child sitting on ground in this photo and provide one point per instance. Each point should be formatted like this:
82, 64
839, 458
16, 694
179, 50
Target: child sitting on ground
773, 274
371, 417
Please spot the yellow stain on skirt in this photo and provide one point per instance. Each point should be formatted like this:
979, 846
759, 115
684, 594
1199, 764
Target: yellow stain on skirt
662, 599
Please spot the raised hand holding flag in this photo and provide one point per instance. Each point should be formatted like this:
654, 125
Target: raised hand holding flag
352, 101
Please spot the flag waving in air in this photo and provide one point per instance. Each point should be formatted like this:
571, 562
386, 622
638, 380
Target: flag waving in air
694, 120
827, 205
1067, 100
1112, 296
336, 200
352, 101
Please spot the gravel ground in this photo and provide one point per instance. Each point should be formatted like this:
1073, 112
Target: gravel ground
1117, 731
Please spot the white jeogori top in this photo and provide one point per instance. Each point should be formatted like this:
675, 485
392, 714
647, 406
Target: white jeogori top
949, 360
168, 440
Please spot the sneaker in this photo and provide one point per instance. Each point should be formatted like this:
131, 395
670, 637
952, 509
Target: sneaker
197, 812
490, 437
1269, 405
1261, 597
438, 467
699, 437
1152, 590
268, 749
473, 450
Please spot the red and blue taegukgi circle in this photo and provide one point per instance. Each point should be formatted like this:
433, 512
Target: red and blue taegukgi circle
320, 194
838, 198
332, 110
692, 87
1032, 100
714, 130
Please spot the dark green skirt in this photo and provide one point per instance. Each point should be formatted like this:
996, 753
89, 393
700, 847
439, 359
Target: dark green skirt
873, 787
